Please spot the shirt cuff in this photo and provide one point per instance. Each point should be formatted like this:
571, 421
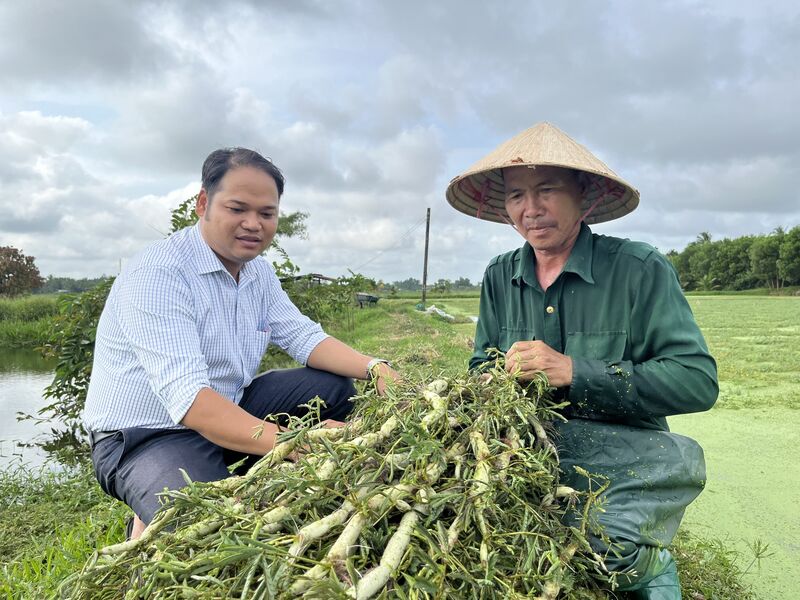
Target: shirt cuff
585, 373
593, 390
599, 388
307, 347
181, 399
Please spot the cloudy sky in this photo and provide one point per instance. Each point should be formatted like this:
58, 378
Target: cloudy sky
108, 108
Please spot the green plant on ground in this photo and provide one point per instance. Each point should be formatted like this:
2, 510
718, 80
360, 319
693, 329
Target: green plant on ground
71, 343
708, 569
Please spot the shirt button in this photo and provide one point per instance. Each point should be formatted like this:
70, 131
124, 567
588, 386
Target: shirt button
550, 310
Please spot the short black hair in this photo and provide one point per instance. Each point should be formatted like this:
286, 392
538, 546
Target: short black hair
219, 162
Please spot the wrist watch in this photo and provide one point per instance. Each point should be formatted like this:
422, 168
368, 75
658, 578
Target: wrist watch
374, 363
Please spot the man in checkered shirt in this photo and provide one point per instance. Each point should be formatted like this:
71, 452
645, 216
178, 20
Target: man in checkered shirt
185, 326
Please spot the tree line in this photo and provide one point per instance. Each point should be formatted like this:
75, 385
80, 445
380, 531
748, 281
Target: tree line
440, 285
742, 263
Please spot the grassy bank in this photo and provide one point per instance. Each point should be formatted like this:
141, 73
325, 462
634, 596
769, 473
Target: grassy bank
51, 523
66, 517
25, 321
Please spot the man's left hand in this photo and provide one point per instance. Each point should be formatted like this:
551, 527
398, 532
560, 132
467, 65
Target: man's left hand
381, 375
532, 357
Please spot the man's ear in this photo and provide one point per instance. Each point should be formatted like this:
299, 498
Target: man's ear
202, 203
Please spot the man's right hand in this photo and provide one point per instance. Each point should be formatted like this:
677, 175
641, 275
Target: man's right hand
228, 425
527, 358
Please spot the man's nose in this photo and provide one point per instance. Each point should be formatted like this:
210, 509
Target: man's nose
250, 222
531, 205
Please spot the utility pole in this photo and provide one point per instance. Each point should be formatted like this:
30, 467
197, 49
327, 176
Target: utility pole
425, 265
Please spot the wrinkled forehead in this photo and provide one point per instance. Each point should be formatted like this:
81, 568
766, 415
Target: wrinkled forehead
536, 174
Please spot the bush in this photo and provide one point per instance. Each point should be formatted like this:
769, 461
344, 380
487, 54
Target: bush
71, 342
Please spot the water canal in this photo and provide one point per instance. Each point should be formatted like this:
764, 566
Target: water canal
24, 374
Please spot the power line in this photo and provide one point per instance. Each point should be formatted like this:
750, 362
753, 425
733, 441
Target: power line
402, 237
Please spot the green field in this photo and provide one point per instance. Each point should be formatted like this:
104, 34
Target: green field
751, 437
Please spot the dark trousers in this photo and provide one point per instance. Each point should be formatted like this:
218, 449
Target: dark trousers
136, 464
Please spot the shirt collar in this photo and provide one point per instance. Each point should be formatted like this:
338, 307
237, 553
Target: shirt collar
208, 262
579, 261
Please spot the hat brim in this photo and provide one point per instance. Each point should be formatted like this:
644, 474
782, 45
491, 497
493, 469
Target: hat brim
482, 195
480, 191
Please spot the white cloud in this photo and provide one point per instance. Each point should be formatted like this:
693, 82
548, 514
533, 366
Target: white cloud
47, 43
370, 109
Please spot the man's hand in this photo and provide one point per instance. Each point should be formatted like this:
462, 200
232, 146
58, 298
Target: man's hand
532, 357
228, 425
337, 357
381, 375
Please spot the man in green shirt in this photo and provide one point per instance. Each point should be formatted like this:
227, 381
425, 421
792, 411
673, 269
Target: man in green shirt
605, 319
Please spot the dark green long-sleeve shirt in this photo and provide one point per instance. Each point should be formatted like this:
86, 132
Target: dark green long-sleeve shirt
617, 309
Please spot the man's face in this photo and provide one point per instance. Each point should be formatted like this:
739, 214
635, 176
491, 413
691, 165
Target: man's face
545, 205
239, 222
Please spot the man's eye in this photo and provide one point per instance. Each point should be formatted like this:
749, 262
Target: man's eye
267, 215
236, 210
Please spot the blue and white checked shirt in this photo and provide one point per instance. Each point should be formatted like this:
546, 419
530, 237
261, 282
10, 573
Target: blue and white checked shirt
175, 322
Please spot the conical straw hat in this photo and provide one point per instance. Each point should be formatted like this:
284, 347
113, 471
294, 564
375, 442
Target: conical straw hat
480, 191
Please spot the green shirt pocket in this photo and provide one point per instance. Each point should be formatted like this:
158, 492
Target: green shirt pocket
608, 346
509, 335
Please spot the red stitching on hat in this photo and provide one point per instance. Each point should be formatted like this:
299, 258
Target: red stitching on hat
591, 208
482, 199
605, 187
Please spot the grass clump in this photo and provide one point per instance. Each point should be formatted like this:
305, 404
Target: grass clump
24, 334
28, 308
26, 322
51, 523
709, 569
